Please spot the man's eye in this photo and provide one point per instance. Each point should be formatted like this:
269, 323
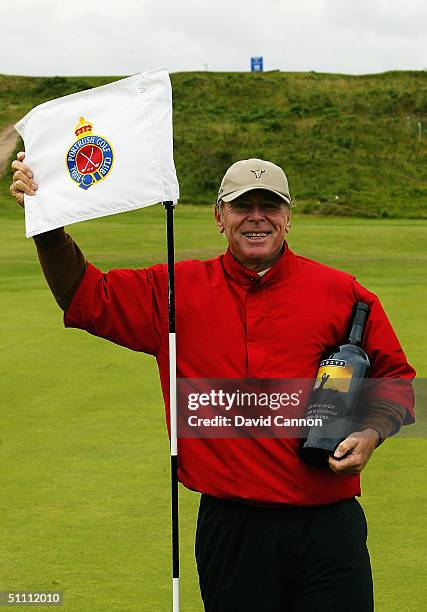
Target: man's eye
245, 206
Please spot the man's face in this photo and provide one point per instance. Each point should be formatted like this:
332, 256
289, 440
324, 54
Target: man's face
255, 225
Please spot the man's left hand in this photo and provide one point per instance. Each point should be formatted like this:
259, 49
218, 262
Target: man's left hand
355, 450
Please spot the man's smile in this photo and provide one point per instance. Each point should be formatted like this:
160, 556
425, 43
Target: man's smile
253, 236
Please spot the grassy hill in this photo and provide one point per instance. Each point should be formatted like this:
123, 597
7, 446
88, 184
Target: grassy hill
351, 145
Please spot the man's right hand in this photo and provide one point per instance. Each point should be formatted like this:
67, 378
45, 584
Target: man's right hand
22, 180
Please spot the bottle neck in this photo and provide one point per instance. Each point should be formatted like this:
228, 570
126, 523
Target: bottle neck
355, 335
360, 313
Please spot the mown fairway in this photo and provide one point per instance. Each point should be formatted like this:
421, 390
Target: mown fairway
84, 452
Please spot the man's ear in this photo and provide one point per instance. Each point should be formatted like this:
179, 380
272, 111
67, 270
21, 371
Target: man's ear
288, 223
217, 213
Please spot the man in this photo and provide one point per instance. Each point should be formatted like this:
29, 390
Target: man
273, 533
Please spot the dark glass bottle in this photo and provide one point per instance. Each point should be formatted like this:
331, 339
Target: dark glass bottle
335, 394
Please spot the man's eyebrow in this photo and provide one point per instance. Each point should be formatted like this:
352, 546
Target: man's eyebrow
239, 202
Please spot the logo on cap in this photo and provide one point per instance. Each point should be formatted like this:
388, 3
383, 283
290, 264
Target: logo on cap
258, 173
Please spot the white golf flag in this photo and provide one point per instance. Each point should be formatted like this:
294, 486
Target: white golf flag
100, 152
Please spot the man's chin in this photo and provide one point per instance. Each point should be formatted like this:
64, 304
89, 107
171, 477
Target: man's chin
257, 258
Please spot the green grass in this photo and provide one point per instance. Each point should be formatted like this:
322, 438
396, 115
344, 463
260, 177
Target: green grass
84, 451
350, 145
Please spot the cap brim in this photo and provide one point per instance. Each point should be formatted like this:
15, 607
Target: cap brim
235, 194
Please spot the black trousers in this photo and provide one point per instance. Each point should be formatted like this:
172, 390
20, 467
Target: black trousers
290, 559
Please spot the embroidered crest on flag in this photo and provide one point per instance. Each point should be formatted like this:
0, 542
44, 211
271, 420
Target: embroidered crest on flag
90, 158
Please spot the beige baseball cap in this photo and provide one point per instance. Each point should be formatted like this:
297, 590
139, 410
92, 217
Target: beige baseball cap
249, 174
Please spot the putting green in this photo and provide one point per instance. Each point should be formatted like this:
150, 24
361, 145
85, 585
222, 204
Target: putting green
84, 453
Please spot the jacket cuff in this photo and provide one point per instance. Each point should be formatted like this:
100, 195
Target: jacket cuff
50, 240
385, 417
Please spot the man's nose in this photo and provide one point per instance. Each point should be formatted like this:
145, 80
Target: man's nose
256, 212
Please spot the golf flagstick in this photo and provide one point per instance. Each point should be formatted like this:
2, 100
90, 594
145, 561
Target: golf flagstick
169, 206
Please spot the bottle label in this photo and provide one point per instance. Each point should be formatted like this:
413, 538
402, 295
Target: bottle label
334, 375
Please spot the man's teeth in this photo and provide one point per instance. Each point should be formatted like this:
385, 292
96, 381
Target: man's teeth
256, 234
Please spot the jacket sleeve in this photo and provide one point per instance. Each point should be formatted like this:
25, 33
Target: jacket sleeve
390, 374
62, 263
127, 307
385, 417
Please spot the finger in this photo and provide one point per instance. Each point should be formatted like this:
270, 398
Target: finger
17, 165
20, 156
21, 176
23, 187
19, 196
345, 447
349, 465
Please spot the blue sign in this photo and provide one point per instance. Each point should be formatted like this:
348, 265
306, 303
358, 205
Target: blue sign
256, 64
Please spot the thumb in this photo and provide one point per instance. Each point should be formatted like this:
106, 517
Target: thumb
344, 447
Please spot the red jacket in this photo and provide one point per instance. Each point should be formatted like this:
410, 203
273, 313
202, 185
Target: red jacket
231, 323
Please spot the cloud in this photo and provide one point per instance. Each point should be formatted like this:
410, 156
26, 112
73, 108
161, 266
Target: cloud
385, 18
353, 36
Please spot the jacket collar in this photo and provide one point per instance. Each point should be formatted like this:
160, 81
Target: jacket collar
286, 265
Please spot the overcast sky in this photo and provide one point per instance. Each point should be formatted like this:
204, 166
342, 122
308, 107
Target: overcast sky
121, 37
